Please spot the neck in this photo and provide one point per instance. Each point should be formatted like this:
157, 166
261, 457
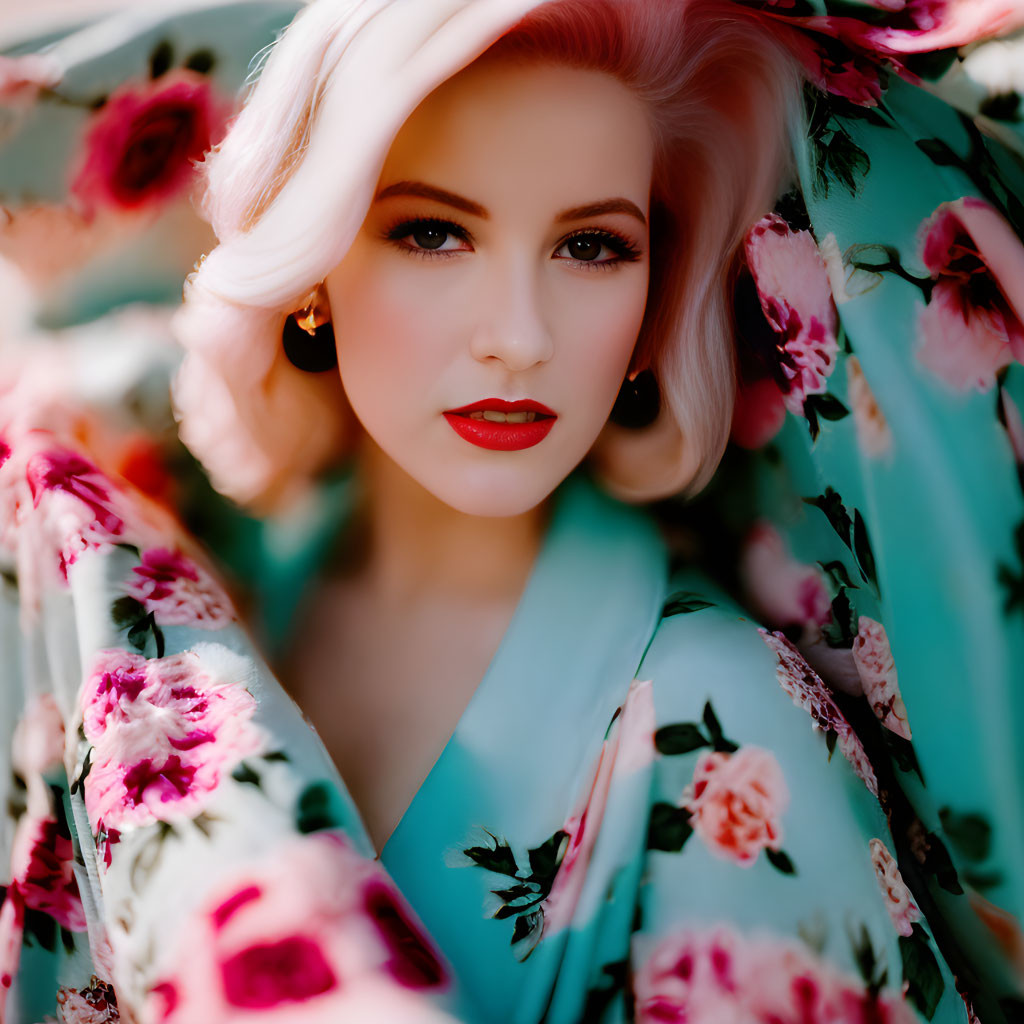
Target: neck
415, 547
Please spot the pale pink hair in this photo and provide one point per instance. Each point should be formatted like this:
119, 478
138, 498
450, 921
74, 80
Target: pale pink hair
724, 97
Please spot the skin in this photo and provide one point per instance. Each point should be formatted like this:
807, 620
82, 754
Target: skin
505, 311
495, 302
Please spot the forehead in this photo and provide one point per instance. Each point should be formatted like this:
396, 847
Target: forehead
506, 132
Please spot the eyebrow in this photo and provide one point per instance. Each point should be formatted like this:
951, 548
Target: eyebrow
425, 191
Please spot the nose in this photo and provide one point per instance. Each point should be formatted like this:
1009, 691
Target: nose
512, 327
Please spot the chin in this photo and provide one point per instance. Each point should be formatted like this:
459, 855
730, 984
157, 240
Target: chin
492, 494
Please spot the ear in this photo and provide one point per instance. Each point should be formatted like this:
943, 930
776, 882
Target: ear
315, 310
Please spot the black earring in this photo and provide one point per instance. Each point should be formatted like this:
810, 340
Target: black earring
309, 345
638, 402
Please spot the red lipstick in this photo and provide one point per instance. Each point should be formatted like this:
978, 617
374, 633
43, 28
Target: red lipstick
499, 435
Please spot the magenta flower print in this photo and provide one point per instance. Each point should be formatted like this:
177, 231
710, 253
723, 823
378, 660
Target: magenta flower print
972, 325
412, 960
75, 503
310, 934
718, 976
913, 26
779, 588
629, 749
807, 691
793, 288
736, 802
835, 69
291, 970
165, 731
758, 414
140, 147
178, 592
920, 26
42, 868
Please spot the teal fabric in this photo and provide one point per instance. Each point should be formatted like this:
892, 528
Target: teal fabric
558, 863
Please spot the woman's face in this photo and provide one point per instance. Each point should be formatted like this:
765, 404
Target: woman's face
503, 262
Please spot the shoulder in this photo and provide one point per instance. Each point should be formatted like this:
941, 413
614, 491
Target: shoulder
705, 643
710, 662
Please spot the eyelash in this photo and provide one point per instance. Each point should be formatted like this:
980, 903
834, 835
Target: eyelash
625, 251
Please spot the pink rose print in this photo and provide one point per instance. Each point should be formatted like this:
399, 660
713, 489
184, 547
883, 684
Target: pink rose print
178, 592
928, 25
38, 741
972, 325
717, 976
873, 657
873, 435
96, 1004
165, 733
758, 414
807, 691
314, 934
43, 881
141, 145
779, 589
916, 26
835, 69
795, 295
75, 503
898, 901
629, 749
22, 78
736, 802
42, 864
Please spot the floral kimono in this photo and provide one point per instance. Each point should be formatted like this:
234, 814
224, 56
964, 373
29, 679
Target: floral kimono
639, 812
692, 785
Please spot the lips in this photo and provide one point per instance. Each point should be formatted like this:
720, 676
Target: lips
530, 423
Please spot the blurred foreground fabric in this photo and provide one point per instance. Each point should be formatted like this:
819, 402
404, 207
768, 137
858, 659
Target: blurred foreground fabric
871, 512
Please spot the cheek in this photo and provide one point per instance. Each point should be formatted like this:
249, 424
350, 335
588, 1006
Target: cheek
599, 323
388, 327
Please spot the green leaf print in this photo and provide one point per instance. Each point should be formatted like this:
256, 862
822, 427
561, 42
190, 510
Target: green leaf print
544, 859
921, 973
835, 512
498, 858
669, 828
680, 738
313, 811
682, 602
826, 406
718, 740
780, 861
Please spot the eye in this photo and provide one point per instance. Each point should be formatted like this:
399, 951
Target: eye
597, 249
428, 236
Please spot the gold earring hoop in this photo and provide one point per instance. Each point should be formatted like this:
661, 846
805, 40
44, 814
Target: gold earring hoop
308, 338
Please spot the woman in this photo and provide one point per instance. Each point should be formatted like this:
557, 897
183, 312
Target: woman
628, 816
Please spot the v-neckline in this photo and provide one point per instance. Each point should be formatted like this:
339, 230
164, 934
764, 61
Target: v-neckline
560, 499
578, 506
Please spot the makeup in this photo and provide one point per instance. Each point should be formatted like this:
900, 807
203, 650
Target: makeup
500, 425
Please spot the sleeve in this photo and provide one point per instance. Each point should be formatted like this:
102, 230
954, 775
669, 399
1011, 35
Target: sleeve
178, 844
788, 874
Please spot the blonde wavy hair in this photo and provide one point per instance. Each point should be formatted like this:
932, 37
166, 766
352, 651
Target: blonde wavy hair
288, 188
